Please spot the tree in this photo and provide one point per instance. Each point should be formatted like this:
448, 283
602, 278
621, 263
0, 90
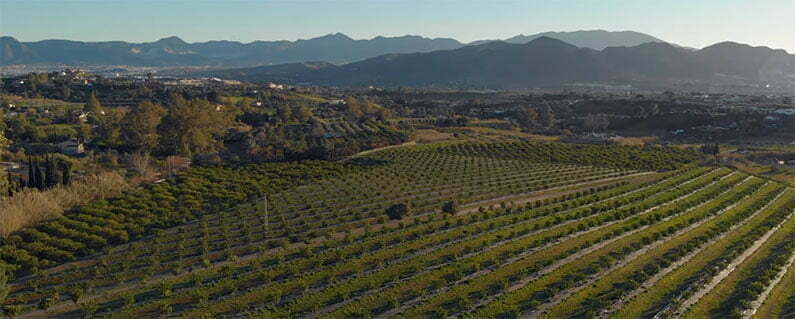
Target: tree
450, 207
31, 173
50, 174
66, 172
4, 142
108, 128
596, 122
547, 117
285, 113
303, 112
192, 127
40, 184
92, 104
527, 117
66, 92
711, 149
398, 211
139, 126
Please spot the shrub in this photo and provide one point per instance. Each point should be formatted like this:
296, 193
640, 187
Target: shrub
398, 211
450, 207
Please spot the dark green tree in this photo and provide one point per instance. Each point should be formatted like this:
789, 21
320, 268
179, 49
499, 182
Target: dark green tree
92, 104
50, 173
31, 173
139, 126
398, 211
39, 176
450, 207
66, 172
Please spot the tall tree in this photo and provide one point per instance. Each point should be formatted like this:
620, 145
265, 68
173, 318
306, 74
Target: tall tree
66, 172
711, 149
546, 117
527, 117
108, 128
139, 126
92, 104
50, 174
303, 113
39, 176
192, 127
31, 173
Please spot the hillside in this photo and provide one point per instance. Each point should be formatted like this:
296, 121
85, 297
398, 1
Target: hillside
546, 62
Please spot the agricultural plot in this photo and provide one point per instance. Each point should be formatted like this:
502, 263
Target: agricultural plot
540, 231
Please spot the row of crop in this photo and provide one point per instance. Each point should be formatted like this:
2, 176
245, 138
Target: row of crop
620, 283
745, 284
523, 299
269, 290
513, 242
633, 157
136, 213
666, 295
473, 226
447, 222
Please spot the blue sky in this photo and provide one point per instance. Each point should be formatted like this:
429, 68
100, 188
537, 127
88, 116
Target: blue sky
694, 23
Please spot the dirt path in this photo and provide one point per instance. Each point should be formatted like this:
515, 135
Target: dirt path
410, 143
682, 309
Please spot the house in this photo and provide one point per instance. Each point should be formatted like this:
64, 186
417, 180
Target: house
275, 86
72, 147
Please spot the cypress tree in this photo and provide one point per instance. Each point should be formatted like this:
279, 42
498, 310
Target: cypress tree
66, 172
11, 185
39, 177
31, 174
50, 179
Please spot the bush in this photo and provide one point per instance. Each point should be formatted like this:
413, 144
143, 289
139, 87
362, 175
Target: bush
450, 207
398, 211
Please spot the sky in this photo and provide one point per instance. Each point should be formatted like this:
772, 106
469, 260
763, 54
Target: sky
694, 23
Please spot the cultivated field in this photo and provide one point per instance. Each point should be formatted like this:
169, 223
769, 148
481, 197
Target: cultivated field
542, 230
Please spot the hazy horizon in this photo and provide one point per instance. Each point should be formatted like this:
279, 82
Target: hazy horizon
758, 23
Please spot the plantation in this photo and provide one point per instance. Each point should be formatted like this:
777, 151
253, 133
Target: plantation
497, 230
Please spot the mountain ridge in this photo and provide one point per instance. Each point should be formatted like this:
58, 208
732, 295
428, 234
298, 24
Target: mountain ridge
543, 61
335, 48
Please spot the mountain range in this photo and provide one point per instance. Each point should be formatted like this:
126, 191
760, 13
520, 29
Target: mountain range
333, 48
542, 62
594, 39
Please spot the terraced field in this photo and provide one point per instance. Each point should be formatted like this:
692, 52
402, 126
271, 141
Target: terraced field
541, 231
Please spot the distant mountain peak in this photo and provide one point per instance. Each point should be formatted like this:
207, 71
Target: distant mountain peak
593, 39
171, 41
334, 36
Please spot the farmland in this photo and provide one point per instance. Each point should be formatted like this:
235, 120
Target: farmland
482, 230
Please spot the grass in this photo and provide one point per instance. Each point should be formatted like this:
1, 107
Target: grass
40, 103
32, 206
